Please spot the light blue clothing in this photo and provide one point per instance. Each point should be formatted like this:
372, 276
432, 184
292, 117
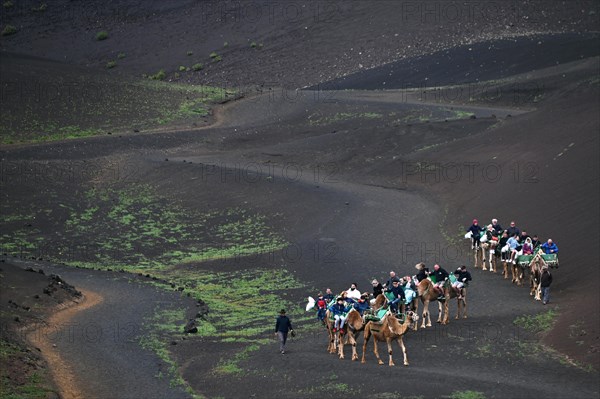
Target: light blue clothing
409, 294
512, 243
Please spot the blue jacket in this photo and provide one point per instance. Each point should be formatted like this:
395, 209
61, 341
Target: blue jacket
550, 249
476, 230
361, 306
512, 243
339, 309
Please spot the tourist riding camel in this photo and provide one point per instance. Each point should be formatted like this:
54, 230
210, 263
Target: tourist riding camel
423, 272
397, 294
339, 310
441, 276
353, 292
496, 226
550, 247
475, 231
462, 278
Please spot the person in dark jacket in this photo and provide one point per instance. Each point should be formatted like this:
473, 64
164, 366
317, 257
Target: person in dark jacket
545, 281
422, 274
340, 310
441, 276
462, 278
535, 241
475, 231
397, 293
496, 226
328, 296
362, 304
388, 284
513, 230
377, 289
504, 255
283, 325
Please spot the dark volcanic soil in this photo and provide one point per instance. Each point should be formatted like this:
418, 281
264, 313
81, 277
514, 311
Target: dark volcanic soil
381, 179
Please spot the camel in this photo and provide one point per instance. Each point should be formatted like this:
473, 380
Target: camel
489, 248
428, 294
355, 323
505, 264
479, 257
333, 336
389, 329
517, 273
535, 269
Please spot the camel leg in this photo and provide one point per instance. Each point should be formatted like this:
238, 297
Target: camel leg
492, 261
505, 270
354, 354
367, 335
388, 341
331, 347
376, 351
416, 302
425, 315
401, 343
464, 301
458, 305
476, 265
440, 312
481, 258
446, 309
341, 347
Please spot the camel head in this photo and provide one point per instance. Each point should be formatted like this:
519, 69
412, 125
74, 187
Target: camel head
399, 327
412, 318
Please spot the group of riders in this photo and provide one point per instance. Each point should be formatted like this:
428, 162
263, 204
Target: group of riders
508, 243
399, 291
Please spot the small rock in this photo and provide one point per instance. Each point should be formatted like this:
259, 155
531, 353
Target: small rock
191, 327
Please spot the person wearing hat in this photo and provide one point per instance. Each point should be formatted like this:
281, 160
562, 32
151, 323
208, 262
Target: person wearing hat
545, 281
339, 310
475, 231
283, 325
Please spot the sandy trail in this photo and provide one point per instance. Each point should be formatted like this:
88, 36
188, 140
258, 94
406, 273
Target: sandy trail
62, 372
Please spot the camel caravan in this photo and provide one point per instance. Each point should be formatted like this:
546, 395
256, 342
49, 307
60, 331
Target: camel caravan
392, 311
516, 251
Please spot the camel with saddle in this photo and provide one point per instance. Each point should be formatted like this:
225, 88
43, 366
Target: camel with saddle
391, 327
428, 294
355, 323
535, 273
